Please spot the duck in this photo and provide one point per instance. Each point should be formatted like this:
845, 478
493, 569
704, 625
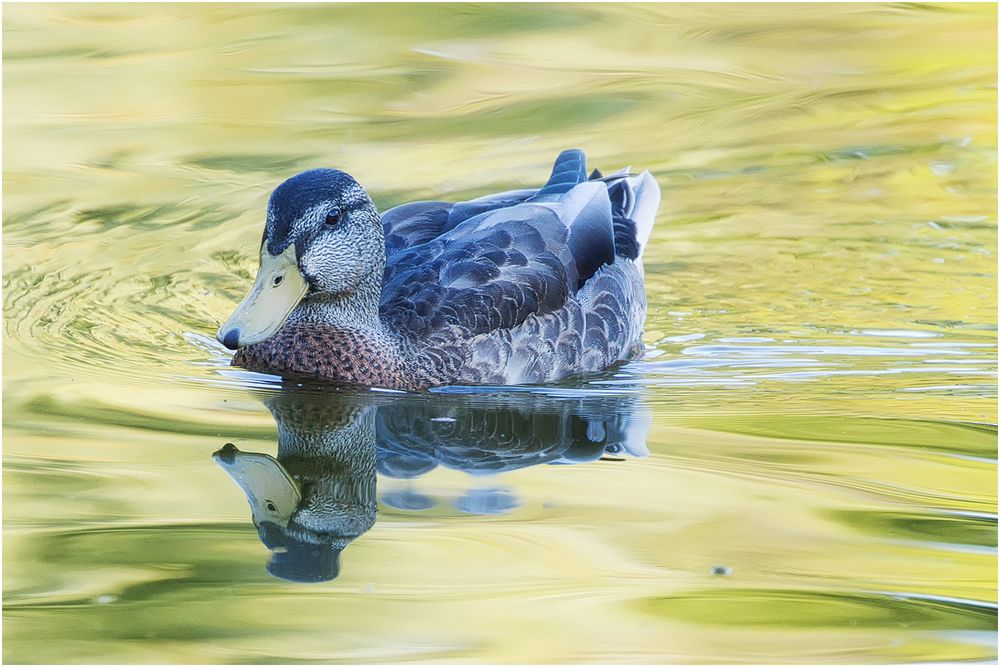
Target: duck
527, 286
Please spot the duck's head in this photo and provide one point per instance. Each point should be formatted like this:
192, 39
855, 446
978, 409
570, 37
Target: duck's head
322, 238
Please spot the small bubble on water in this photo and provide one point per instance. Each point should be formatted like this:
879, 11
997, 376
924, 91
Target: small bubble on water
721, 570
105, 599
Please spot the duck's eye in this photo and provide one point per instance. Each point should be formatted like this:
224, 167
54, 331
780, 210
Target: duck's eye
333, 218
277, 280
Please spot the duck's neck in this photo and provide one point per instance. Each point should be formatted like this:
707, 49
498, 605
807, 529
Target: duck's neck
349, 311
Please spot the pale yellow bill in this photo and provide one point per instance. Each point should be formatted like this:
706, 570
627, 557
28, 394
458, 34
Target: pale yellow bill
277, 290
272, 493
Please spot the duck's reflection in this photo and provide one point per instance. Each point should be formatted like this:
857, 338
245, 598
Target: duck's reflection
319, 493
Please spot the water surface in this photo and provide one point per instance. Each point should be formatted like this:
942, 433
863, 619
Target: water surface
801, 469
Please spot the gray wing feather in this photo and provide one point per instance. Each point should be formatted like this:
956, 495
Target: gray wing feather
415, 223
411, 224
495, 269
599, 327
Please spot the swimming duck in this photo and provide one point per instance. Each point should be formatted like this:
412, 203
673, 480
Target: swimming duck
521, 287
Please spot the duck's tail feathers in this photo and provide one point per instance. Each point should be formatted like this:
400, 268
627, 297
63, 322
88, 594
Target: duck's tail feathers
647, 201
634, 200
569, 170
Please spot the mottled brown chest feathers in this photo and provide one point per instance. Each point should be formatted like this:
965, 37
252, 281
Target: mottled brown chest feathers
330, 353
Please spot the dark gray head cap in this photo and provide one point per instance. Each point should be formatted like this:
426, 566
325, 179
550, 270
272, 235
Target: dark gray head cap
302, 192
294, 560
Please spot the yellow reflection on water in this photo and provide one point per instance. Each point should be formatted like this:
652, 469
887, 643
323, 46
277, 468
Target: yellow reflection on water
822, 342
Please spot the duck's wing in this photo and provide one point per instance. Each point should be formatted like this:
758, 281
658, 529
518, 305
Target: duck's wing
414, 224
493, 269
411, 224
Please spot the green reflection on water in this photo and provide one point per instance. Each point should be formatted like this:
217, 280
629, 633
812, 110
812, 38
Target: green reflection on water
820, 609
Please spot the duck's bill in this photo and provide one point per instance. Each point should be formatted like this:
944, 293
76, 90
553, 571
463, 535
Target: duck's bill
272, 493
277, 290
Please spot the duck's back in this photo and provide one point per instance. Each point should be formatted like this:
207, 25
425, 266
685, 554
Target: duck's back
522, 287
